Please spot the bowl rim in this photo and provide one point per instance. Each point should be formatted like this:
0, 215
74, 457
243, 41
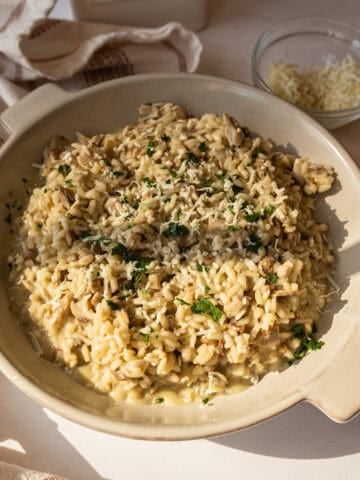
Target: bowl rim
258, 50
155, 431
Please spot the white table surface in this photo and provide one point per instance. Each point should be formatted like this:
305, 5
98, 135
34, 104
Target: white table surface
301, 444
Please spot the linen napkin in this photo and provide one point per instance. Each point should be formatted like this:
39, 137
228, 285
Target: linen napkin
35, 49
13, 472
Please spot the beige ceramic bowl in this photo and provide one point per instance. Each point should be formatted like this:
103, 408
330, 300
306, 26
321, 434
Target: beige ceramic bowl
329, 378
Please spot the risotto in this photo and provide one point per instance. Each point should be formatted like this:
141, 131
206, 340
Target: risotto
177, 258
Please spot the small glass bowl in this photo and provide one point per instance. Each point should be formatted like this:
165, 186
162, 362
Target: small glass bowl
308, 41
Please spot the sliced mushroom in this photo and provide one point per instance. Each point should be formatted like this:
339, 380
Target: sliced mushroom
67, 197
82, 310
233, 132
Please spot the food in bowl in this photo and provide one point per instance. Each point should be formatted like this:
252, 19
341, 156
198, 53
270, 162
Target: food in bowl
323, 87
173, 260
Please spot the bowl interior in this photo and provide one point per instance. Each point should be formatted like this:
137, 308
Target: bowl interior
104, 108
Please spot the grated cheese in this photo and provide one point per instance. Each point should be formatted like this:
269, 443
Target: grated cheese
323, 87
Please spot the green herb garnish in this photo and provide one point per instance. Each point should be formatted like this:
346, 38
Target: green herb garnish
159, 400
253, 243
268, 211
64, 169
207, 289
40, 225
255, 153
128, 256
272, 277
150, 149
175, 230
307, 345
172, 172
204, 306
70, 183
236, 189
117, 173
191, 157
203, 268
252, 217
146, 337
233, 228
149, 182
299, 330
165, 138
202, 147
112, 305
205, 400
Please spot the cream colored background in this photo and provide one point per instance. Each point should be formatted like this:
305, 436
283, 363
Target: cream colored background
301, 444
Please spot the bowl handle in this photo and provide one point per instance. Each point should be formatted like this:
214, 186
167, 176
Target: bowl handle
336, 392
31, 108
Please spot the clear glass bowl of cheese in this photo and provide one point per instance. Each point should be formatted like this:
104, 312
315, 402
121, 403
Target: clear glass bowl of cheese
314, 63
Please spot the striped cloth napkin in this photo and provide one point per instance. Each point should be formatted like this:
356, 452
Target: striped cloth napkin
35, 49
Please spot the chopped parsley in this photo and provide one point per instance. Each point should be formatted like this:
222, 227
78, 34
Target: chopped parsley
236, 189
117, 173
202, 268
150, 149
128, 256
268, 211
146, 337
255, 216
255, 153
165, 138
207, 289
253, 243
158, 400
307, 345
64, 169
233, 228
112, 305
299, 330
244, 205
205, 400
149, 182
106, 161
172, 172
40, 225
202, 147
252, 217
191, 157
272, 277
70, 183
175, 230
204, 306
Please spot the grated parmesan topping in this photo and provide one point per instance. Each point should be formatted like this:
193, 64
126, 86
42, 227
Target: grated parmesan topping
322, 87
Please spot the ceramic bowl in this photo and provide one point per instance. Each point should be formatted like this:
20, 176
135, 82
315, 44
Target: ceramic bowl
329, 378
